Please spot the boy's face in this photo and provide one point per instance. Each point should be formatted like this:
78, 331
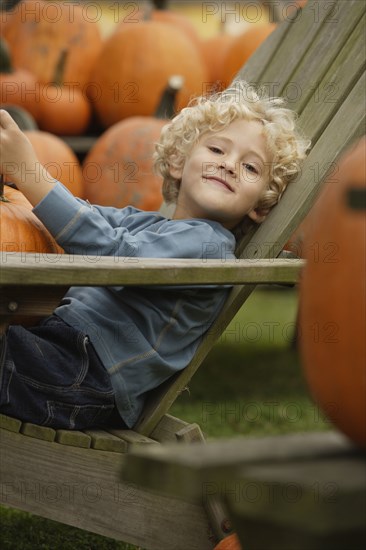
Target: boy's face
225, 175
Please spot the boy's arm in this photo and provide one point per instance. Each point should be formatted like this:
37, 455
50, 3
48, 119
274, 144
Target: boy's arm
19, 162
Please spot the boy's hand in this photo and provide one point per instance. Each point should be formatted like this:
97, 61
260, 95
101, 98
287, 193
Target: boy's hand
19, 162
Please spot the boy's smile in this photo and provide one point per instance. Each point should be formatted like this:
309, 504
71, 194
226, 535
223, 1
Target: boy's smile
225, 175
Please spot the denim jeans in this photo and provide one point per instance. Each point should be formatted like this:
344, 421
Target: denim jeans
51, 375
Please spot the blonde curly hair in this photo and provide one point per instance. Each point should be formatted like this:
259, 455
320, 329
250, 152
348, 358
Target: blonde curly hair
213, 113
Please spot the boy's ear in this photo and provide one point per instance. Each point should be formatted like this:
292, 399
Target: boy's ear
258, 215
175, 169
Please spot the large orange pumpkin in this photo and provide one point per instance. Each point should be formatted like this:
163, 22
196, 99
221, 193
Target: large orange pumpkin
118, 169
20, 229
243, 47
135, 65
333, 298
64, 110
59, 159
37, 31
214, 51
229, 543
146, 13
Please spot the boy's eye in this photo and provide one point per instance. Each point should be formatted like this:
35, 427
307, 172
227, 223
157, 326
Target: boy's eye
215, 149
251, 168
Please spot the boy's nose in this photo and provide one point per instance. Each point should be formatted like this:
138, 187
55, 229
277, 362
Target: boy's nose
229, 165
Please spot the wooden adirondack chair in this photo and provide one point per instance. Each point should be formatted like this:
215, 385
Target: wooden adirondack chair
74, 477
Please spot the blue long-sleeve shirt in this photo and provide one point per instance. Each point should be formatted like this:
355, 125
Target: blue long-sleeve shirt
143, 335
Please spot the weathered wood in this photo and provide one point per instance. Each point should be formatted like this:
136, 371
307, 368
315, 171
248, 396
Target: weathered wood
104, 441
73, 438
317, 504
19, 302
167, 427
39, 432
336, 84
255, 68
214, 507
132, 438
190, 434
66, 271
9, 423
334, 20
187, 471
82, 487
309, 87
282, 492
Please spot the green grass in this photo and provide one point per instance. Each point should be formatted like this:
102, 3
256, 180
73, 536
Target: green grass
250, 384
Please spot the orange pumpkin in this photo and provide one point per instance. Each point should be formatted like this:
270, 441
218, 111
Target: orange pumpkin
37, 31
243, 47
17, 86
118, 169
178, 20
59, 159
229, 543
214, 51
64, 110
20, 229
296, 243
333, 298
135, 65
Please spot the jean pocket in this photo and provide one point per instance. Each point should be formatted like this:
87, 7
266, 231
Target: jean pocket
76, 417
58, 359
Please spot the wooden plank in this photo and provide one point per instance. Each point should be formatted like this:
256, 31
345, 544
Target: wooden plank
272, 485
336, 84
39, 432
35, 302
73, 438
190, 434
317, 504
256, 66
166, 429
82, 487
9, 423
113, 271
132, 438
314, 24
187, 471
104, 441
342, 42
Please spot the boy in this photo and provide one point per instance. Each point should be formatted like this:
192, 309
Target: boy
224, 160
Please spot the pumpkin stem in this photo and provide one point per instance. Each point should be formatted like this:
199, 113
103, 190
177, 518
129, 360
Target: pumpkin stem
147, 11
160, 4
5, 60
58, 77
166, 106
